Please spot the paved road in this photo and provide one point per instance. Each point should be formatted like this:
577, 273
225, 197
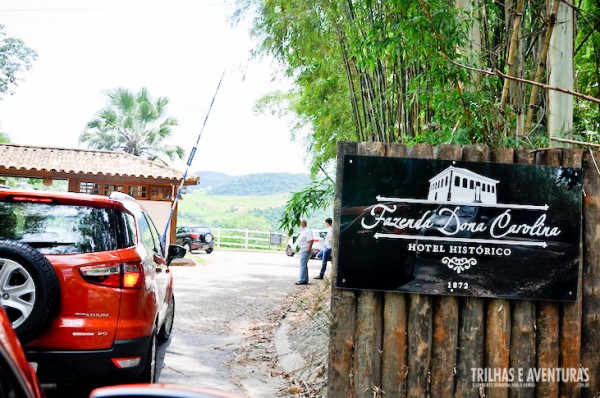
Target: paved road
217, 302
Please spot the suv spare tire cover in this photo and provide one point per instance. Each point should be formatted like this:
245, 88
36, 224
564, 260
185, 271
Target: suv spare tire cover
29, 289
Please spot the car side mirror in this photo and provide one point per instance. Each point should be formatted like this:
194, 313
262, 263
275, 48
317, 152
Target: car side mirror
175, 251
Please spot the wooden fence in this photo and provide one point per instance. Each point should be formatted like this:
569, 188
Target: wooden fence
249, 239
411, 345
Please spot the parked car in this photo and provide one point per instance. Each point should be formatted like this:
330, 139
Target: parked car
18, 378
85, 283
318, 235
195, 238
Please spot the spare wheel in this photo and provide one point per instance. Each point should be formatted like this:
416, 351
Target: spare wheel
29, 289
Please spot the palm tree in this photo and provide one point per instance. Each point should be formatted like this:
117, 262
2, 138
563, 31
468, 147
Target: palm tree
132, 123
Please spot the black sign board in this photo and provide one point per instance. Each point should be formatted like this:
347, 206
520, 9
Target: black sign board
460, 228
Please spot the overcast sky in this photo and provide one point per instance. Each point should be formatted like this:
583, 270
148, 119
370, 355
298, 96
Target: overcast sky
176, 48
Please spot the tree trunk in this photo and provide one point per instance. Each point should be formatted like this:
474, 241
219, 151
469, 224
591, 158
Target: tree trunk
561, 72
473, 43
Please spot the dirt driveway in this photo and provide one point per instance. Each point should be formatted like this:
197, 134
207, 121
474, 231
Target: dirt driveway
219, 303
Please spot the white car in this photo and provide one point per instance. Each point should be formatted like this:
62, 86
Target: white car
318, 237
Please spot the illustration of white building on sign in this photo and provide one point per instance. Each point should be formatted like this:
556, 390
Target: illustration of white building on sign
456, 184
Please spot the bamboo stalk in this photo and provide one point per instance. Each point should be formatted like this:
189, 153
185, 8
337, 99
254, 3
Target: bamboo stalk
551, 22
512, 52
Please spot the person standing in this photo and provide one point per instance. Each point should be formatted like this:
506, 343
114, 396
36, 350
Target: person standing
304, 243
325, 254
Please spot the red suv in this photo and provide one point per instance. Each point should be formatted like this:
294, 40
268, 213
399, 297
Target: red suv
86, 285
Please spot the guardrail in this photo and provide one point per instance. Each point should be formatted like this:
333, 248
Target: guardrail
249, 239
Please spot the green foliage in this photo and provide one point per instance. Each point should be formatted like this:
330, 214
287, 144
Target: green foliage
133, 123
245, 221
393, 71
587, 62
36, 184
4, 138
15, 57
317, 195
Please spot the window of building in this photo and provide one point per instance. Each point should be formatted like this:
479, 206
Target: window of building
138, 191
160, 192
89, 187
108, 189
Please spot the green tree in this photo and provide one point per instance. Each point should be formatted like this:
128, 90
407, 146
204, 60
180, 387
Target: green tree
133, 123
4, 138
587, 64
412, 71
15, 57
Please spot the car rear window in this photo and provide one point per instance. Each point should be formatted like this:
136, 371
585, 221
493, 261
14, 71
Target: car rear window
200, 230
58, 229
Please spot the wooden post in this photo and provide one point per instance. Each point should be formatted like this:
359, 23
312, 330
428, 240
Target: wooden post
420, 308
522, 343
445, 320
367, 358
393, 360
591, 275
472, 321
498, 329
548, 318
343, 305
369, 319
570, 328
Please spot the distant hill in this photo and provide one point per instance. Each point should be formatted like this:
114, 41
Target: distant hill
212, 179
261, 184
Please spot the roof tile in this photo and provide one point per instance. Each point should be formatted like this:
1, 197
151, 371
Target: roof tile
84, 161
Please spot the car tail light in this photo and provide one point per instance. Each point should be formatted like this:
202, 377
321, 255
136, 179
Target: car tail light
31, 199
128, 276
132, 276
194, 236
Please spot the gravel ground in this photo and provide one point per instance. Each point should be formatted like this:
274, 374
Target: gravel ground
229, 310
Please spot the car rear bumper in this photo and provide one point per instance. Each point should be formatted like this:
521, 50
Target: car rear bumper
89, 367
201, 245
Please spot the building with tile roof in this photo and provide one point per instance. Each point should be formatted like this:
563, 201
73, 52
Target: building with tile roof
99, 172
